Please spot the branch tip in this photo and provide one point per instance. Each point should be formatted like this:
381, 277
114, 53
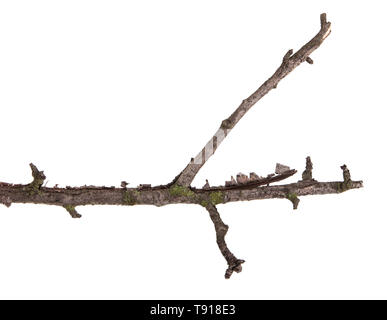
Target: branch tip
307, 174
237, 267
289, 62
323, 19
287, 55
309, 60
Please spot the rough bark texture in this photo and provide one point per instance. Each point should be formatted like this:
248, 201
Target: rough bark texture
159, 196
180, 190
221, 229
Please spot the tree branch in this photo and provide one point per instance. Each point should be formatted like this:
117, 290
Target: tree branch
71, 197
180, 191
289, 62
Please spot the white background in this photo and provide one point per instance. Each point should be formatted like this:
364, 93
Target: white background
96, 92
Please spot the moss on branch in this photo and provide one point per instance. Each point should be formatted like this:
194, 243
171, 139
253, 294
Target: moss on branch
181, 191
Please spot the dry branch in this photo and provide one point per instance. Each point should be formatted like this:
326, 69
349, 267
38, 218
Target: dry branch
289, 62
180, 190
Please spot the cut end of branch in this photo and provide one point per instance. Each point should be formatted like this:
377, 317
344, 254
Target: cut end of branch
325, 25
323, 19
236, 267
309, 60
307, 174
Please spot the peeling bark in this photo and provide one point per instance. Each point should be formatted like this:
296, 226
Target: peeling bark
180, 190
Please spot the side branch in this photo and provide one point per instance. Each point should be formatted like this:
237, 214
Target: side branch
289, 62
221, 229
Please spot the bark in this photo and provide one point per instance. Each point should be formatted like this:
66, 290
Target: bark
180, 190
71, 197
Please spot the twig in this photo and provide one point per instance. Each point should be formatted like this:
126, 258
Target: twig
289, 62
221, 229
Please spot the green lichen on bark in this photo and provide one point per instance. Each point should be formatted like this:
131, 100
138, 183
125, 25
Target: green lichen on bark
71, 210
204, 203
213, 198
216, 197
293, 199
69, 207
344, 186
128, 197
34, 187
39, 177
181, 191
